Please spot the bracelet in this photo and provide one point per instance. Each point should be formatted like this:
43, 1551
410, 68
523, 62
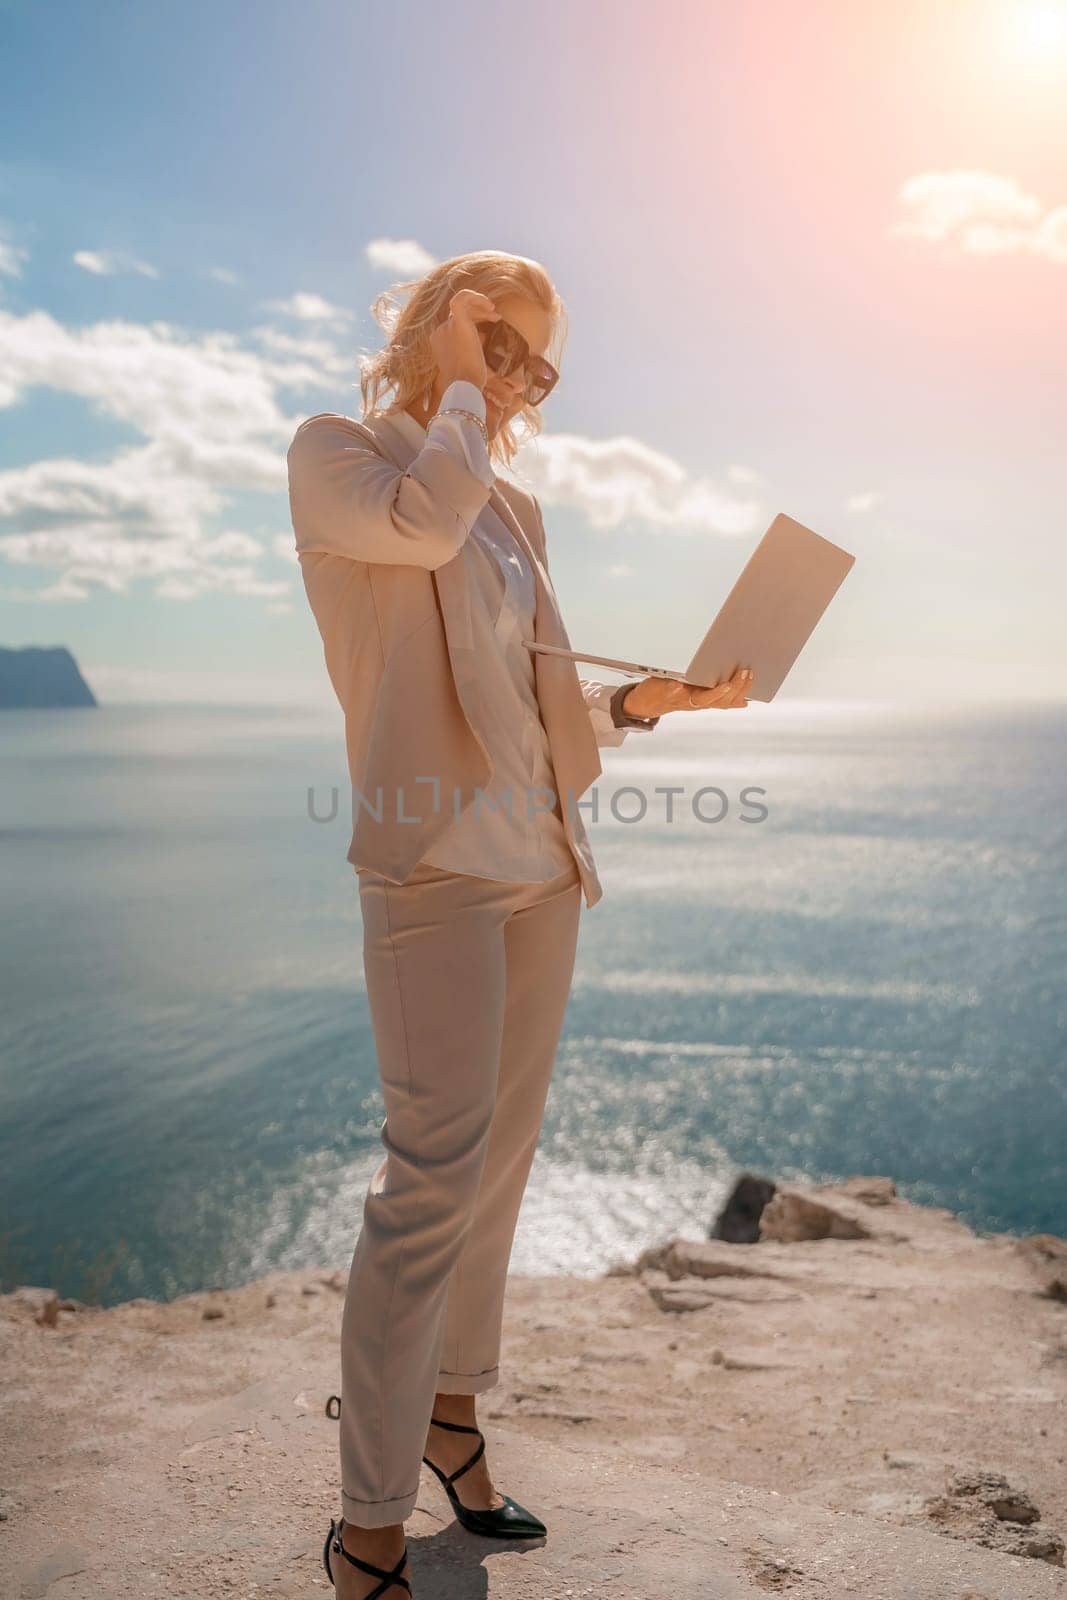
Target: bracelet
460, 411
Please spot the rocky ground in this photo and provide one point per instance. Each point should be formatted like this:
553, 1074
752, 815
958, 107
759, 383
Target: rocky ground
867, 1401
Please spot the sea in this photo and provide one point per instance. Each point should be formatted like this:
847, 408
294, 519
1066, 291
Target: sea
832, 940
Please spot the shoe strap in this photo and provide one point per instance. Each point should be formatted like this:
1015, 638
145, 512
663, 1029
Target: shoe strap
454, 1427
460, 1427
391, 1578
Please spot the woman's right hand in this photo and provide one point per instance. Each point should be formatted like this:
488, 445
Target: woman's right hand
456, 342
651, 697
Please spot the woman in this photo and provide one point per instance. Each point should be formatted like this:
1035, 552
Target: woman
426, 572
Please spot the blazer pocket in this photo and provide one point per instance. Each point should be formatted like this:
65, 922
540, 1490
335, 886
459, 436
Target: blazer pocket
431, 616
405, 600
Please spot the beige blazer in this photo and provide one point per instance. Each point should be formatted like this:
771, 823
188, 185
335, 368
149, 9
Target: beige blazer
379, 563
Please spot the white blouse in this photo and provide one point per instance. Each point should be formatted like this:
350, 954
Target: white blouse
507, 832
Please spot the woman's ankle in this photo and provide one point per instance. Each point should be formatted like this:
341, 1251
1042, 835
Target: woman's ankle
366, 1541
454, 1407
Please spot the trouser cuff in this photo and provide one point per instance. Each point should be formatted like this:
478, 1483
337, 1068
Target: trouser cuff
378, 1513
467, 1382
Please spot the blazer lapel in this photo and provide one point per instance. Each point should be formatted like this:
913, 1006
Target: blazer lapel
575, 753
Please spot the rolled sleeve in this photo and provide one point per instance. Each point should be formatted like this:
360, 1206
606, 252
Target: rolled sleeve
597, 698
449, 431
348, 500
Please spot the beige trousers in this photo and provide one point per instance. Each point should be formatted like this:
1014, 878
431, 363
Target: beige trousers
467, 984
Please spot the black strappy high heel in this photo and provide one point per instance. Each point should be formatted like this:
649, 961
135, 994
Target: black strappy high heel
391, 1580
509, 1521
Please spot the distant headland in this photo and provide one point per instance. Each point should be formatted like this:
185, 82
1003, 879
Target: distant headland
37, 678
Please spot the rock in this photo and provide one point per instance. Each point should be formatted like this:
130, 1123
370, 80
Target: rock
984, 1507
39, 676
651, 1258
680, 1297
739, 1220
1048, 1255
41, 1303
794, 1215
696, 1294
872, 1191
704, 1258
994, 1491
1046, 1247
1038, 1543
771, 1572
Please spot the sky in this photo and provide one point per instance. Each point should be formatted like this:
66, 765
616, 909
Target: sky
814, 260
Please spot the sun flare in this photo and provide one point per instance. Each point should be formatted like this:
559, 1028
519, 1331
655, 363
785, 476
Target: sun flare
1037, 33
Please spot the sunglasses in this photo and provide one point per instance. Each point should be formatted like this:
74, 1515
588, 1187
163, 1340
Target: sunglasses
505, 350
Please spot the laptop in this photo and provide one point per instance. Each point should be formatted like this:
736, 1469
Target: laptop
765, 621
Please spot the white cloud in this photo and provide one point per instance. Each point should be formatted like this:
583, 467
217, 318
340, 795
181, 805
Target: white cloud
614, 480
1050, 235
207, 409
306, 307
207, 413
739, 474
862, 502
223, 275
90, 261
983, 212
64, 588
619, 569
186, 582
106, 264
319, 352
11, 258
405, 258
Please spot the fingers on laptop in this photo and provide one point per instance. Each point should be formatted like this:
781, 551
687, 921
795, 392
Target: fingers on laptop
725, 696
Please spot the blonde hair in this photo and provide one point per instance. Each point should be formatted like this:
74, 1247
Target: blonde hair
406, 365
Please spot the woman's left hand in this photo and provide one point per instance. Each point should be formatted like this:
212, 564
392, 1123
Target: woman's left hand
654, 696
